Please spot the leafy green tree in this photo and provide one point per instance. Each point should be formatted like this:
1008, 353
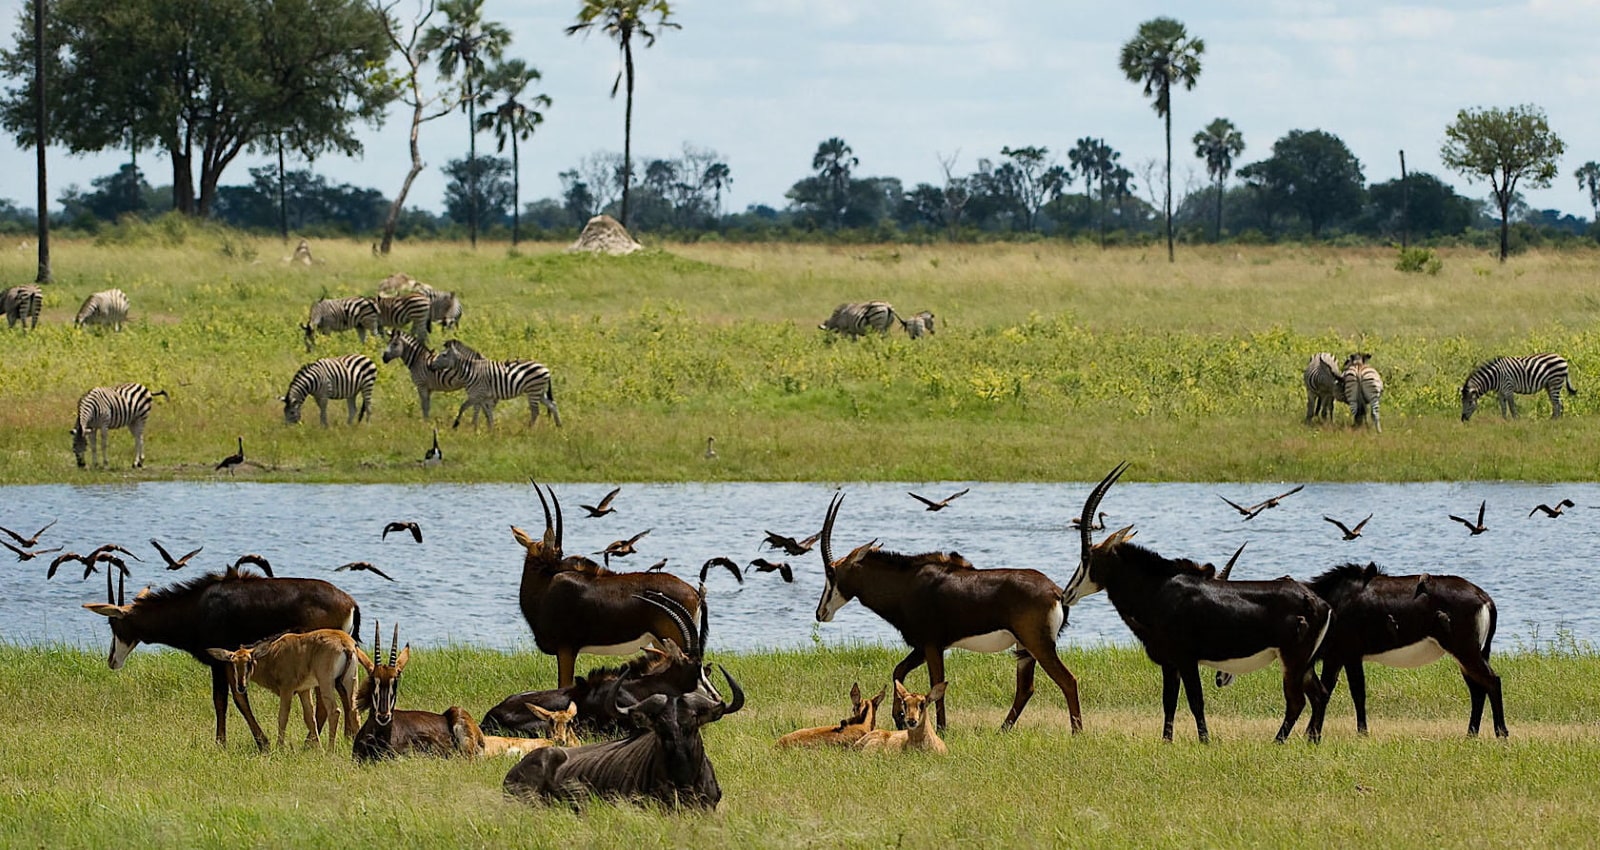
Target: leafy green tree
1311, 173
1218, 144
622, 20
1031, 179
461, 44
515, 117
833, 163
1159, 56
1431, 206
1505, 146
1588, 175
1095, 160
577, 198
489, 177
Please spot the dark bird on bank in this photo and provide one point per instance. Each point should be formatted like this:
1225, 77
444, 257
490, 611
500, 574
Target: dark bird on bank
782, 568
711, 452
1349, 533
434, 457
362, 566
1552, 512
1478, 527
621, 548
1097, 524
26, 554
28, 542
605, 505
942, 503
178, 564
790, 546
254, 560
656, 567
234, 459
416, 531
725, 563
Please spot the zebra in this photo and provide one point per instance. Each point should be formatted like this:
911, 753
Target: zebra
1509, 375
341, 314
21, 303
1363, 389
492, 381
109, 307
104, 408
444, 307
331, 377
857, 319
419, 359
916, 326
412, 309
1323, 383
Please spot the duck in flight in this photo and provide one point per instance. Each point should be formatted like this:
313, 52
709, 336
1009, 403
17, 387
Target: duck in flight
1349, 533
416, 530
172, 564
782, 568
605, 505
1552, 512
362, 566
1478, 527
29, 554
621, 548
790, 546
28, 542
942, 503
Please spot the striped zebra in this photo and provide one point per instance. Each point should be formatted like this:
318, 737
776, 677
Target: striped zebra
332, 377
104, 408
443, 307
1323, 383
103, 308
21, 303
1363, 389
412, 310
857, 319
331, 315
916, 326
492, 381
1509, 375
419, 360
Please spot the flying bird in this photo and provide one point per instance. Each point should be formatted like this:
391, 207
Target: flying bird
657, 566
62, 559
434, 457
726, 563
28, 542
113, 560
782, 568
1552, 512
28, 555
621, 548
790, 546
416, 531
100, 553
1478, 527
362, 566
255, 560
1097, 524
1349, 533
1248, 512
1273, 502
173, 564
605, 505
942, 503
234, 459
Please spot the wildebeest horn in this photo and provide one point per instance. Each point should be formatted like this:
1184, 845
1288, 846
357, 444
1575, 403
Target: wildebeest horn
394, 644
1091, 505
680, 617
827, 533
738, 692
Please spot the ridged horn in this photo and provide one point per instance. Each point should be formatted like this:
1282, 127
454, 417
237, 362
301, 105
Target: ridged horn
1091, 505
680, 617
827, 533
738, 692
394, 644
377, 642
549, 528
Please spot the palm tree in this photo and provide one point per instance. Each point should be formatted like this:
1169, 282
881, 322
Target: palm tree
833, 162
462, 44
512, 119
1588, 175
717, 178
1218, 144
1160, 55
622, 20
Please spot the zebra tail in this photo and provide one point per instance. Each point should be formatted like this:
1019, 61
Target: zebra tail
163, 394
1571, 390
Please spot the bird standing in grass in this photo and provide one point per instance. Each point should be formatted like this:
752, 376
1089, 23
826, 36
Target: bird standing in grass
234, 459
434, 457
711, 452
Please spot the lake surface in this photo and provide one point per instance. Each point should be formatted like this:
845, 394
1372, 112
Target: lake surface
460, 584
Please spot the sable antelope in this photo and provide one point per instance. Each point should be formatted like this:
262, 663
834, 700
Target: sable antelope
938, 600
790, 546
178, 564
362, 566
234, 459
1408, 621
621, 548
863, 718
1185, 619
1478, 527
574, 605
253, 560
28, 542
919, 734
225, 610
433, 457
28, 555
711, 451
416, 530
1349, 533
1098, 523
942, 503
1552, 512
290, 665
725, 563
762, 565
605, 505
388, 732
561, 734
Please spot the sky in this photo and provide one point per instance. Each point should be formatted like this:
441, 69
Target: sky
910, 82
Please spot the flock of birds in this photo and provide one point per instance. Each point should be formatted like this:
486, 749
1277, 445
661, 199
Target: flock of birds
1351, 532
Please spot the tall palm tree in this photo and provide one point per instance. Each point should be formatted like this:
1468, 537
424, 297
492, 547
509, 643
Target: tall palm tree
512, 119
462, 44
1218, 144
1588, 175
1160, 55
833, 162
622, 20
717, 178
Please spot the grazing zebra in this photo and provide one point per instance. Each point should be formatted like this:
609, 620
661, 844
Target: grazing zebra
916, 326
1363, 388
103, 308
331, 377
444, 307
857, 319
1322, 384
331, 315
419, 359
1509, 375
21, 303
412, 310
492, 381
104, 408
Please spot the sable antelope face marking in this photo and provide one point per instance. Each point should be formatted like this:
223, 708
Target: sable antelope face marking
121, 643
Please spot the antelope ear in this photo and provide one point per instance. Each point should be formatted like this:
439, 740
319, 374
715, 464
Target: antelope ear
569, 713
855, 694
405, 655
900, 691
523, 538
541, 713
879, 697
142, 594
220, 654
363, 660
1370, 572
106, 609
936, 692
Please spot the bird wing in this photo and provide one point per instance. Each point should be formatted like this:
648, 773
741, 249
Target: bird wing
256, 560
953, 496
1360, 525
1536, 509
1481, 505
1290, 493
721, 562
926, 501
1341, 525
1235, 505
19, 552
185, 558
163, 550
393, 526
15, 536
46, 551
1462, 521
606, 501
371, 569
43, 530
635, 539
62, 559
787, 572
416, 531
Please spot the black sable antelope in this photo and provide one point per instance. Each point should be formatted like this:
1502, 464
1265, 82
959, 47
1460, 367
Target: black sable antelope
225, 610
1185, 619
1407, 621
388, 732
938, 600
574, 605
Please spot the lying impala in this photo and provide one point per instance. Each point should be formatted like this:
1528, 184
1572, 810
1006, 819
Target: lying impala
919, 734
561, 734
291, 665
862, 720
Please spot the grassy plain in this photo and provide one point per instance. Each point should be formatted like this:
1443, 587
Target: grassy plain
95, 758
1050, 362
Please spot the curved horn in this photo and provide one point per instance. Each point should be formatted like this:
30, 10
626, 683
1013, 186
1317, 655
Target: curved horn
680, 617
1223, 576
377, 642
548, 527
557, 503
394, 644
827, 532
738, 692
1089, 507
705, 620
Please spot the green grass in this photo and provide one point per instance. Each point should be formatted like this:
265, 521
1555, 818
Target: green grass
95, 758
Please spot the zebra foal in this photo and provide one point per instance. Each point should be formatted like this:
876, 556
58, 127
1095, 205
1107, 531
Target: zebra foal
331, 315
419, 360
491, 381
331, 377
1322, 385
104, 408
109, 307
1363, 388
1507, 376
22, 303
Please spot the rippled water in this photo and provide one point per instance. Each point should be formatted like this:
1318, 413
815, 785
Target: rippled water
460, 585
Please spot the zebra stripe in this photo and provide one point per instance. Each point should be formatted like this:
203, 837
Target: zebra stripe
492, 381
419, 360
443, 307
1363, 389
1509, 375
331, 315
21, 303
411, 310
916, 326
332, 377
856, 319
103, 308
104, 408
1322, 384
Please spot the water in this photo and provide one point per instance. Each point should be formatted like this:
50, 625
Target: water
460, 584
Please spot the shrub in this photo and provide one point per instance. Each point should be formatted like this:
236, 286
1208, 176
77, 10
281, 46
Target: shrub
1413, 260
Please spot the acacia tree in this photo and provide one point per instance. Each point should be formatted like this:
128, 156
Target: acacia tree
1159, 56
1505, 146
1218, 144
622, 20
514, 118
461, 44
1034, 179
1588, 175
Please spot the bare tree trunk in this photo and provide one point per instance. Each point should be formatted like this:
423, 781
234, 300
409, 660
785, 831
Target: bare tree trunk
283, 202
627, 132
516, 191
1218, 237
472, 164
393, 220
41, 118
1171, 258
